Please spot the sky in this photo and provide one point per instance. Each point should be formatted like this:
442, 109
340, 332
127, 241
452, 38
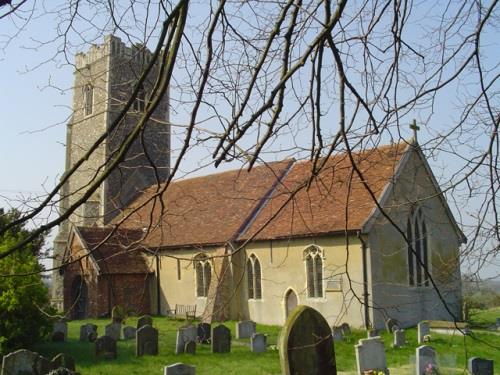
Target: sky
35, 104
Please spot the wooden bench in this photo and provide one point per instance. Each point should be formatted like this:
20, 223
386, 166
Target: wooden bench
187, 312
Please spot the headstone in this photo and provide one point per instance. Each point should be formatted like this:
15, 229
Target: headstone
204, 333
179, 369
346, 329
425, 360
92, 336
144, 320
337, 334
258, 343
62, 371
63, 360
480, 366
372, 333
23, 361
498, 322
391, 325
58, 336
423, 330
85, 331
306, 344
60, 331
129, 333
221, 339
184, 335
146, 341
245, 329
370, 355
190, 347
118, 314
113, 330
399, 339
105, 347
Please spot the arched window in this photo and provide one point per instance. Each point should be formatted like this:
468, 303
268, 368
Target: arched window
203, 270
88, 99
314, 272
140, 100
254, 278
418, 249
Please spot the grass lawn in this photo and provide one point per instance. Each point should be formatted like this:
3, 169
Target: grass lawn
452, 351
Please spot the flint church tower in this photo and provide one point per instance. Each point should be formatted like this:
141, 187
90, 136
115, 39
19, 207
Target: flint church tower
105, 77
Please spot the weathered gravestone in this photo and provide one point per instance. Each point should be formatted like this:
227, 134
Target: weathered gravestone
221, 339
62, 371
480, 366
105, 347
179, 369
425, 360
370, 355
306, 344
245, 329
63, 360
391, 325
258, 343
86, 331
113, 330
204, 333
498, 322
146, 341
423, 330
129, 333
399, 339
346, 329
337, 333
190, 347
144, 320
372, 333
118, 314
60, 331
184, 335
23, 361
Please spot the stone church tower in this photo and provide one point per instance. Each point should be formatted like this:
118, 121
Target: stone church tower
104, 79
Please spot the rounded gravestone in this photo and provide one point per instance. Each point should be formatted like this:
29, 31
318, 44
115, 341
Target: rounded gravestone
306, 344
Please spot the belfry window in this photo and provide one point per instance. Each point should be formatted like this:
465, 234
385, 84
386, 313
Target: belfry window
254, 278
314, 272
203, 270
418, 249
88, 99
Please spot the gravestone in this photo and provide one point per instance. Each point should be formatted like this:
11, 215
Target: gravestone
23, 361
423, 330
346, 329
118, 314
146, 341
60, 331
58, 336
372, 333
391, 325
92, 336
184, 335
221, 339
105, 347
62, 371
425, 360
370, 355
113, 330
337, 333
399, 339
498, 322
306, 344
190, 347
144, 320
179, 369
204, 333
63, 360
480, 366
245, 329
85, 331
129, 333
258, 343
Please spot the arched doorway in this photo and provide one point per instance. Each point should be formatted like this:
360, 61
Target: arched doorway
79, 298
291, 301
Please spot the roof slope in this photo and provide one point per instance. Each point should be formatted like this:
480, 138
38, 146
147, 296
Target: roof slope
336, 199
205, 210
119, 254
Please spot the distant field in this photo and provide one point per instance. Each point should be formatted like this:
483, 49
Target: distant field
453, 351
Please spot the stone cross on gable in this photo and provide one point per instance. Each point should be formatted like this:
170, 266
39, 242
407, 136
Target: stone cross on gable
415, 128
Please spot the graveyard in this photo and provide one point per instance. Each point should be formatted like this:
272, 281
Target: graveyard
450, 349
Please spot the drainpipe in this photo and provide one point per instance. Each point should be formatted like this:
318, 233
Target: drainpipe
365, 280
158, 305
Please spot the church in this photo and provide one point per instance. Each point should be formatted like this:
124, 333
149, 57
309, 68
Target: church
358, 245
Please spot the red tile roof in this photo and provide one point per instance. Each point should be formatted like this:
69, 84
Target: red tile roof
121, 253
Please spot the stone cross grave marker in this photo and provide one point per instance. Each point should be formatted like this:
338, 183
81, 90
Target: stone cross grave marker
105, 347
245, 329
423, 330
258, 343
144, 320
60, 331
179, 369
221, 339
204, 333
129, 333
399, 339
146, 341
346, 329
86, 331
480, 366
184, 335
425, 360
337, 334
23, 361
370, 355
391, 325
190, 347
113, 330
306, 344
